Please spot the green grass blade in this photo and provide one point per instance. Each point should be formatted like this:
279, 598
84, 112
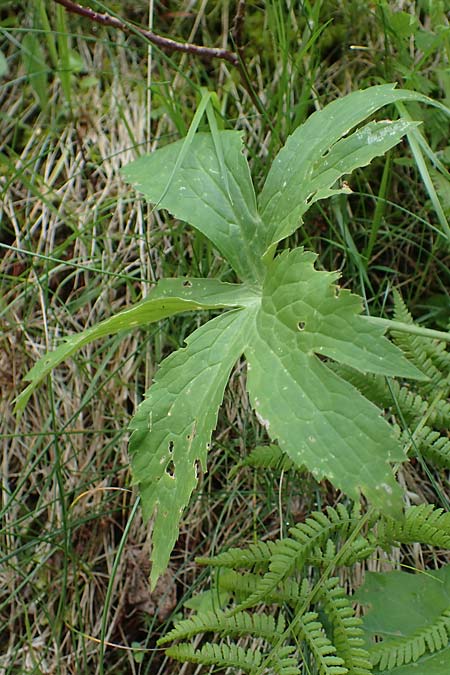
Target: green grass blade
186, 144
35, 67
414, 141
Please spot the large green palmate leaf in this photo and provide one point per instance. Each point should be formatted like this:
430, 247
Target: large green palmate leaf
410, 614
321, 421
287, 318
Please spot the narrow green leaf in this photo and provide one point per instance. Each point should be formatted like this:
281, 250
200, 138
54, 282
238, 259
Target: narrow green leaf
415, 142
314, 156
35, 67
171, 296
64, 65
186, 143
223, 208
319, 420
207, 291
173, 426
3, 65
217, 140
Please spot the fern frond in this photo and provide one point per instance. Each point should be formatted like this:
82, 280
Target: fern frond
415, 347
268, 457
261, 626
280, 662
322, 556
311, 631
359, 549
319, 526
431, 445
284, 662
221, 655
440, 415
243, 585
346, 628
414, 408
291, 553
396, 652
424, 524
438, 353
256, 554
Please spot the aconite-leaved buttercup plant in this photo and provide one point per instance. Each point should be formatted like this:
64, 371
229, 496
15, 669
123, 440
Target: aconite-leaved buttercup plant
286, 317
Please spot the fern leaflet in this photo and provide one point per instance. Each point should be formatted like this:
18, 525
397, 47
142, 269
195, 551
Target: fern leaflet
221, 655
424, 524
311, 631
260, 625
396, 652
347, 632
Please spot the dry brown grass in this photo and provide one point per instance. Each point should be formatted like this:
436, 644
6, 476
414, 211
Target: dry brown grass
79, 247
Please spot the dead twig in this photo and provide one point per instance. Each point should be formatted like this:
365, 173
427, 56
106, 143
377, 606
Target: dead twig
164, 43
170, 45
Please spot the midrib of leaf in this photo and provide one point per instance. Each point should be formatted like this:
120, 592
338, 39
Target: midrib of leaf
208, 291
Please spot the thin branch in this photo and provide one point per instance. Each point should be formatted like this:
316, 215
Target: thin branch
164, 43
169, 45
237, 28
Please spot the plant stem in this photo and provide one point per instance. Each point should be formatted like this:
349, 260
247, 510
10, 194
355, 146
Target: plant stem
412, 329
